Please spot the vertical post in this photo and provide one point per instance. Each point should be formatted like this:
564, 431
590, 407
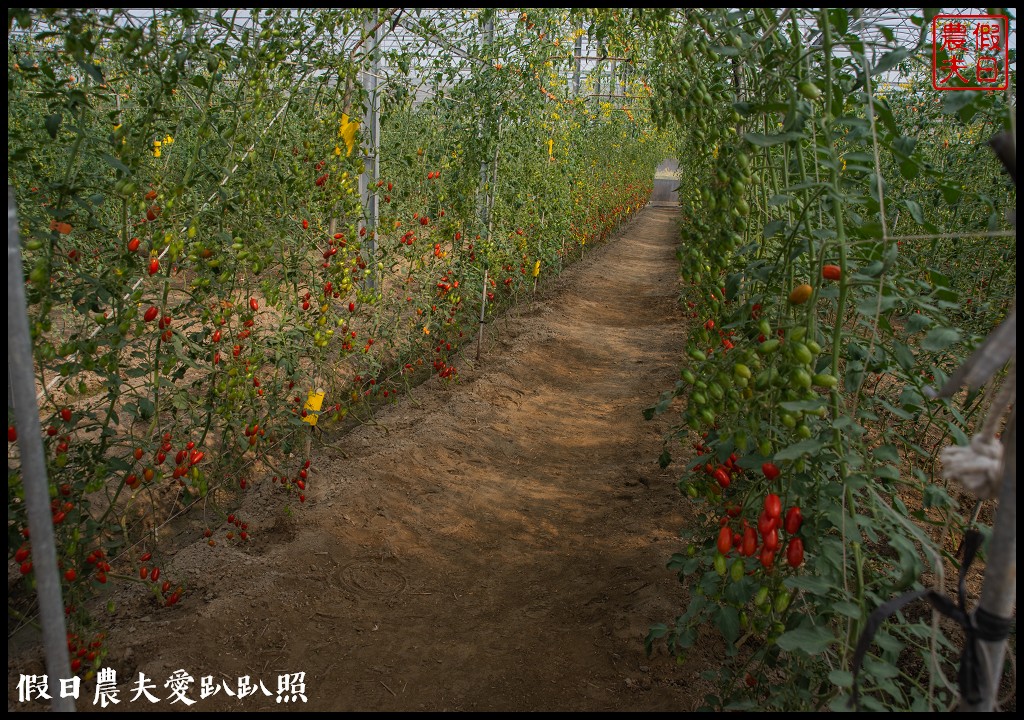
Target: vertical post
487, 32
483, 313
486, 188
33, 468
578, 66
371, 154
613, 85
536, 278
999, 587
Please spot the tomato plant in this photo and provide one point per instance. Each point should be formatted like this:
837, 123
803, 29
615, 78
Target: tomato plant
226, 155
819, 201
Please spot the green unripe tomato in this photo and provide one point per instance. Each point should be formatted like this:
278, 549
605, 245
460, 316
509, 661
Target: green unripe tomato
720, 564
782, 601
768, 346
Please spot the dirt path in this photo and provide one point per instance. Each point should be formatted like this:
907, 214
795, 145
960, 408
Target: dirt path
496, 544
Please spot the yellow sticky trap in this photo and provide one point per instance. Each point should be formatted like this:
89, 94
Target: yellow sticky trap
347, 131
314, 402
551, 148
536, 268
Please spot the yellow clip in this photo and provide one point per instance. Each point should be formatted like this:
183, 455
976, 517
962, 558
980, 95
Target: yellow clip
347, 131
314, 402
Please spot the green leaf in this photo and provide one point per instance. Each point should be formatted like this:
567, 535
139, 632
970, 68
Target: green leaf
811, 640
909, 169
803, 405
809, 583
938, 339
915, 211
847, 608
52, 124
957, 101
732, 285
854, 376
880, 669
841, 678
728, 622
115, 163
93, 70
917, 323
890, 60
887, 472
664, 459
904, 356
804, 447
762, 140
886, 453
772, 228
937, 497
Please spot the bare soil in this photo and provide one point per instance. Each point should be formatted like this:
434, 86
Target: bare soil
498, 543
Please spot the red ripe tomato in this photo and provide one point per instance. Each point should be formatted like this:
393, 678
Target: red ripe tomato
724, 540
770, 470
154, 266
151, 313
749, 542
765, 523
253, 304
832, 272
773, 506
722, 476
133, 244
767, 558
771, 540
794, 518
795, 553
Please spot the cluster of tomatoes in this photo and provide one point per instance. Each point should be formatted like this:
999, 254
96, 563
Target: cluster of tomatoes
298, 482
82, 651
764, 540
152, 576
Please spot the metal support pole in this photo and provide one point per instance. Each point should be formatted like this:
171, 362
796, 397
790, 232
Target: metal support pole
33, 469
483, 315
577, 72
371, 153
536, 279
999, 588
487, 32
